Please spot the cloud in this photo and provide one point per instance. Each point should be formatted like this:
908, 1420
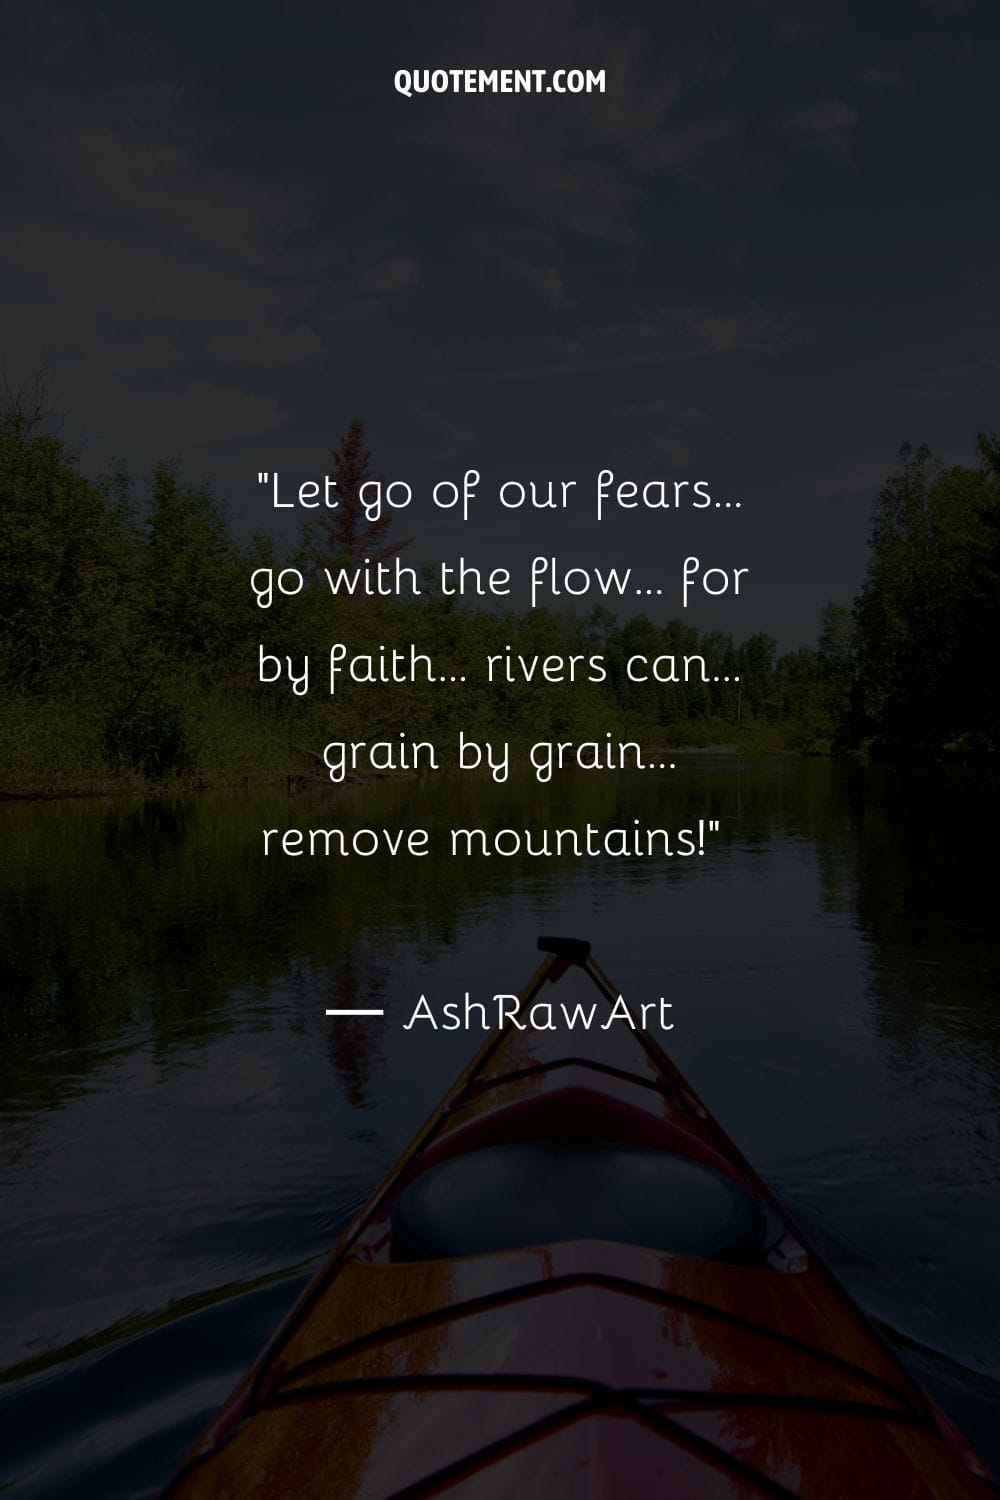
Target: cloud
953, 380
864, 477
158, 181
105, 273
151, 278
393, 274
278, 343
681, 150
582, 162
664, 335
445, 437
375, 282
674, 411
884, 78
792, 23
825, 125
671, 425
195, 413
546, 281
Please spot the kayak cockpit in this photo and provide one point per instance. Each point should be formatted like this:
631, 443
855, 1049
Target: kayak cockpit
523, 1193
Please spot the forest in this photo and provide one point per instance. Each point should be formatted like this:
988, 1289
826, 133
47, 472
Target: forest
129, 638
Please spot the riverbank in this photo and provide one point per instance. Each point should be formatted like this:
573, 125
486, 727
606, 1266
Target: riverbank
185, 737
300, 770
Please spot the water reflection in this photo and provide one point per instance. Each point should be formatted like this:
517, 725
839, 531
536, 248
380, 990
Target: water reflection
180, 1122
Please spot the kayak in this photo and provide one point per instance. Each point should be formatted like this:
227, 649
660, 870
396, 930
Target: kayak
572, 1284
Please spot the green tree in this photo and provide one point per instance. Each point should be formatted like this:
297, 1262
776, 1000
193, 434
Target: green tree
193, 604
929, 610
65, 557
836, 650
756, 658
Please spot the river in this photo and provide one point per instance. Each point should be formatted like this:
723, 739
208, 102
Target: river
184, 1131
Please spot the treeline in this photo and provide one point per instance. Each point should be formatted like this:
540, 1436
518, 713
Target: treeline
926, 625
129, 637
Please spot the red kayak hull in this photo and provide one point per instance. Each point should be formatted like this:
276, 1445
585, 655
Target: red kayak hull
586, 1367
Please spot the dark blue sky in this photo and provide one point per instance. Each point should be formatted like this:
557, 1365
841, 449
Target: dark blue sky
764, 258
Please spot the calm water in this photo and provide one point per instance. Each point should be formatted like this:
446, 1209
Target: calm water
183, 1131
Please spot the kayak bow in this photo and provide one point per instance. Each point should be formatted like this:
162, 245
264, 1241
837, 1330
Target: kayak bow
573, 1284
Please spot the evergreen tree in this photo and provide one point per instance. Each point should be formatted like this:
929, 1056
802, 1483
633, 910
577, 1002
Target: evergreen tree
344, 536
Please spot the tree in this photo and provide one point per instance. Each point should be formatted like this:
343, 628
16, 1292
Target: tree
345, 536
194, 600
836, 650
929, 611
757, 676
65, 555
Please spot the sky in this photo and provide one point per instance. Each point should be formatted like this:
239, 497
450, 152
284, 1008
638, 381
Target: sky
762, 259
